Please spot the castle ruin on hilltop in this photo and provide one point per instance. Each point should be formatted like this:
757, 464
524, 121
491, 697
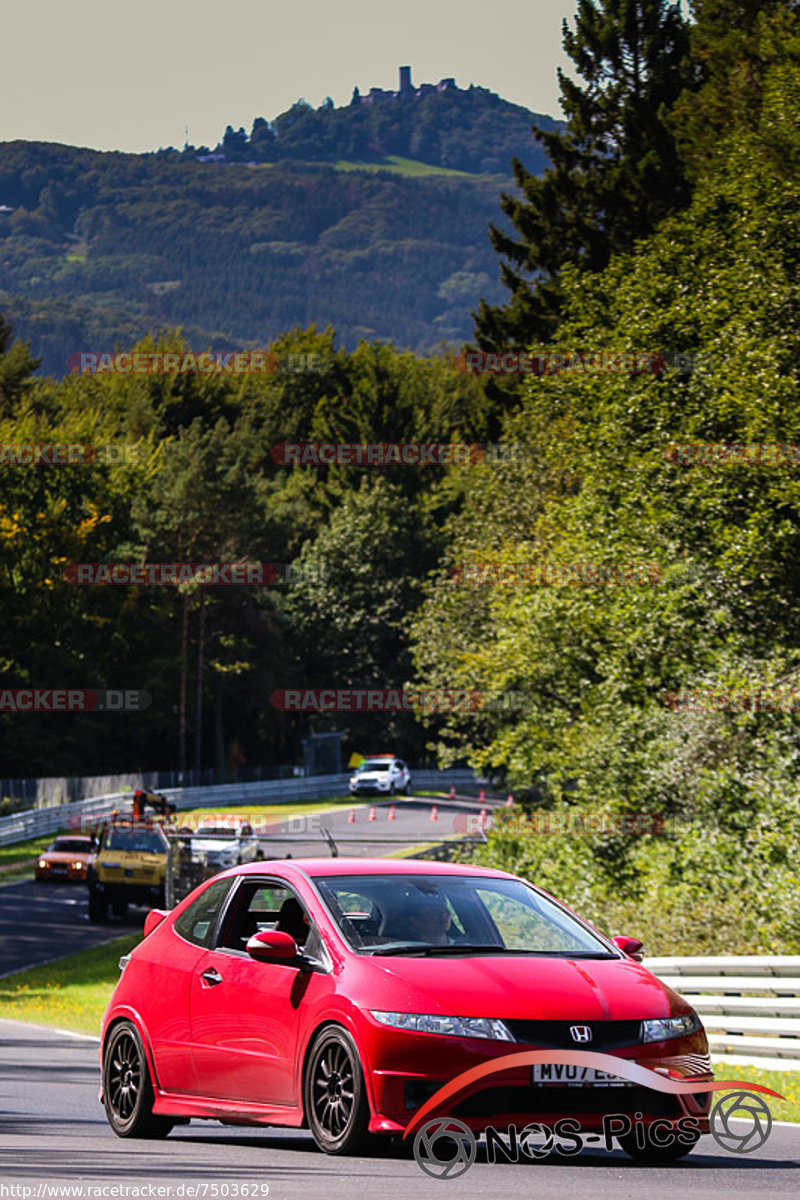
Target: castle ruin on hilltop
406, 90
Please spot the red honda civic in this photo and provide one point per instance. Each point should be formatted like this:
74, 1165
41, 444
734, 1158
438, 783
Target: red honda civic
340, 994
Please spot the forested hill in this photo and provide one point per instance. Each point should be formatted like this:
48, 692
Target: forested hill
471, 129
100, 249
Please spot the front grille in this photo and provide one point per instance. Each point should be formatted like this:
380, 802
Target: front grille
555, 1035
534, 1101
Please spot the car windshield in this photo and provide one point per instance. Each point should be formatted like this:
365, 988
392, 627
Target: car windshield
71, 846
218, 831
451, 915
133, 842
374, 766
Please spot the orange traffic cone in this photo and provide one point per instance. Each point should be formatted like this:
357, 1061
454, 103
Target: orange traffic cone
453, 792
482, 796
482, 818
434, 813
372, 813
391, 814
510, 800
351, 820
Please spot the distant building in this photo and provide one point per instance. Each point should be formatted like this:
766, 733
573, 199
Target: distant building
378, 94
406, 90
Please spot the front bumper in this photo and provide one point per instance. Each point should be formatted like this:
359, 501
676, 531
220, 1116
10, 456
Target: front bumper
409, 1068
68, 875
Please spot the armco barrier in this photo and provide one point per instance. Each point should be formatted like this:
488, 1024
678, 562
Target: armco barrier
749, 1005
42, 821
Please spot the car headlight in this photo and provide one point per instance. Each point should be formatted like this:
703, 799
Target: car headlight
660, 1028
474, 1027
77, 865
43, 863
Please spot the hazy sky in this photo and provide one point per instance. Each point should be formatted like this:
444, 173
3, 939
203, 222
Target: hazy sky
116, 75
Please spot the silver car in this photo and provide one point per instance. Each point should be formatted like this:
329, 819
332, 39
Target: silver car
383, 774
224, 844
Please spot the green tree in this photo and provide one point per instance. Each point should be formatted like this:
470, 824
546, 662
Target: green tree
16, 367
615, 169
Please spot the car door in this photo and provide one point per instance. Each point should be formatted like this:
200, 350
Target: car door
166, 977
246, 1015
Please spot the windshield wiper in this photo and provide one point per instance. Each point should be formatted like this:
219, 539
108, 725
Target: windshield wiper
490, 948
450, 948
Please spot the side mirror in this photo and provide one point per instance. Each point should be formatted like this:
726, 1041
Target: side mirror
271, 945
153, 919
630, 946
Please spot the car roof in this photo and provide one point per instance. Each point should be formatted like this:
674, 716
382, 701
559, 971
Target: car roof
316, 868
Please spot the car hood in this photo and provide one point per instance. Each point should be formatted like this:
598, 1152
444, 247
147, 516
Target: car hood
370, 776
519, 988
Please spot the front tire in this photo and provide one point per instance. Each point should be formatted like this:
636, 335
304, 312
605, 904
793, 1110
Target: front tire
127, 1090
335, 1094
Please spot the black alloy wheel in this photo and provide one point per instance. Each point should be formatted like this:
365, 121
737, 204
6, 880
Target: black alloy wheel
335, 1095
127, 1090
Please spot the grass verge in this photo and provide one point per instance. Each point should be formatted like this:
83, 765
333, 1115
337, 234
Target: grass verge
71, 993
19, 860
785, 1082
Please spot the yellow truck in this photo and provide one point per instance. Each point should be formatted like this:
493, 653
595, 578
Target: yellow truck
130, 868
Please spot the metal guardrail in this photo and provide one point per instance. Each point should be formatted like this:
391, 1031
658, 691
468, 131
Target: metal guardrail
749, 1005
42, 821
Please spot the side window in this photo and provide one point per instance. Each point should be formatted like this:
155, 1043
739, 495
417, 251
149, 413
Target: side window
196, 923
256, 906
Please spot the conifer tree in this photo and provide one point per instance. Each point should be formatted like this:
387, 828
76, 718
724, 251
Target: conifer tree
615, 171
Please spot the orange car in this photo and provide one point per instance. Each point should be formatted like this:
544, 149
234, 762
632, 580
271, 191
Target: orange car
67, 858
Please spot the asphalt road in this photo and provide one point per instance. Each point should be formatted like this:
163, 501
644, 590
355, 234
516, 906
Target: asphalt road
53, 1132
410, 825
43, 921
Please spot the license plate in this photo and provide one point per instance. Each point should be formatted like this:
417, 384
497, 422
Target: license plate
566, 1075
59, 870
